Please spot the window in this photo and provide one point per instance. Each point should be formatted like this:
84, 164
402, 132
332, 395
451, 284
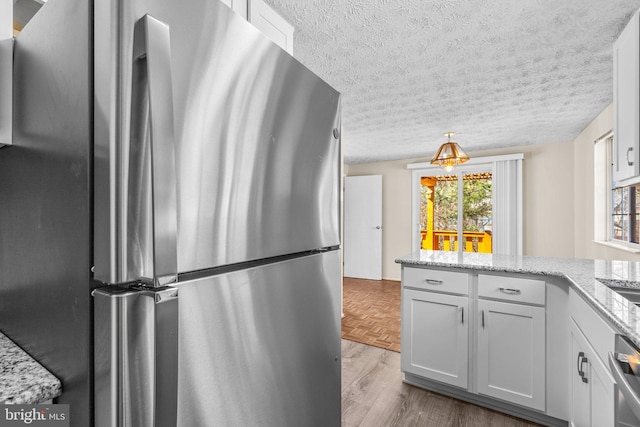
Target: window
441, 205
484, 199
625, 221
616, 207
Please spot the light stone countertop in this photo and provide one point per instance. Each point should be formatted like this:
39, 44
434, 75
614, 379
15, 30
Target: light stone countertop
581, 273
22, 379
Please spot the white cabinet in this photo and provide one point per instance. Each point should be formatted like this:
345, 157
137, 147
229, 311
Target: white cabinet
267, 20
592, 388
626, 101
486, 335
511, 352
271, 24
238, 6
512, 339
435, 336
591, 384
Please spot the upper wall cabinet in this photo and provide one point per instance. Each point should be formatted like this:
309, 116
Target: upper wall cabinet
266, 20
272, 24
626, 102
238, 6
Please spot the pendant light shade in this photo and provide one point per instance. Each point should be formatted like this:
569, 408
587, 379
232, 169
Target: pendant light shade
449, 154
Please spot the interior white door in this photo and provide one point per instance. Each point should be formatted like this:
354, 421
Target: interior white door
363, 227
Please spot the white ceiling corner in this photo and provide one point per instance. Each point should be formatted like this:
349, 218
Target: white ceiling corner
499, 73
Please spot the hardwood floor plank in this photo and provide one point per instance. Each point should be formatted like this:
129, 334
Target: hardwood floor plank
374, 395
376, 370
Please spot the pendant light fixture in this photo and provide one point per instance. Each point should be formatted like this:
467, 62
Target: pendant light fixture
449, 154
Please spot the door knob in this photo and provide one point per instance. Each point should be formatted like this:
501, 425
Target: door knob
378, 227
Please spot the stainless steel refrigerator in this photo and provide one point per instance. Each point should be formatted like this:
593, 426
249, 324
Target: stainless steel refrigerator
169, 218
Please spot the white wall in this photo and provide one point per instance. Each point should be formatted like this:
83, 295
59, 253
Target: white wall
558, 199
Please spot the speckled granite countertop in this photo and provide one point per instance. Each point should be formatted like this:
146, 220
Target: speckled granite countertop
22, 379
583, 274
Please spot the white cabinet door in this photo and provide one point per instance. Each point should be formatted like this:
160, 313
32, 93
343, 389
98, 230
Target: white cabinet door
626, 103
592, 387
511, 353
580, 389
238, 6
271, 24
435, 336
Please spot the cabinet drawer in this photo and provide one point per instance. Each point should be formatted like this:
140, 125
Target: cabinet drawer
436, 280
515, 289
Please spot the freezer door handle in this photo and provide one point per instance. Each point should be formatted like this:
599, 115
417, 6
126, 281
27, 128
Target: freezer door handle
6, 73
135, 357
152, 187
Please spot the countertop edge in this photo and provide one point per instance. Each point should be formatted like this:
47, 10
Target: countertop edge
22, 379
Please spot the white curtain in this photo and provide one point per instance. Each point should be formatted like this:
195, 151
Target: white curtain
507, 207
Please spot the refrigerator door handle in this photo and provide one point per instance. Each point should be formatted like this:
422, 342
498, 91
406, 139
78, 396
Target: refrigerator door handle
6, 73
152, 151
135, 357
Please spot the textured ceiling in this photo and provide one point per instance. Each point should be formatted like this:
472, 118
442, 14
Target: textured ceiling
497, 72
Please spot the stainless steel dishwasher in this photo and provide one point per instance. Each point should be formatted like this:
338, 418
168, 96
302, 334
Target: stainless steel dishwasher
625, 368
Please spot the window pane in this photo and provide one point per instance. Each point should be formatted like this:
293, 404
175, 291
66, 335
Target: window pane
439, 211
625, 200
617, 232
617, 201
427, 187
476, 202
477, 212
445, 215
634, 210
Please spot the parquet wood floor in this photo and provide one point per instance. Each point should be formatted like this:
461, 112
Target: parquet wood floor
372, 312
373, 395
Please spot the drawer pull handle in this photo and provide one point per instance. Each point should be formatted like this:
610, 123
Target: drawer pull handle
434, 282
482, 312
462, 308
510, 291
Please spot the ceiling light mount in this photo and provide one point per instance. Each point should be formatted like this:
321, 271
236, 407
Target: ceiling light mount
449, 154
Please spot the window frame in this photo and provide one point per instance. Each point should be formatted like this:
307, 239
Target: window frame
604, 186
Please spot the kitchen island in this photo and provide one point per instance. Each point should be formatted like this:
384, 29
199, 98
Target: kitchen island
529, 336
22, 379
582, 274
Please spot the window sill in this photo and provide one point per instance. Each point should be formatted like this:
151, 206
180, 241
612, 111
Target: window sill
632, 248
